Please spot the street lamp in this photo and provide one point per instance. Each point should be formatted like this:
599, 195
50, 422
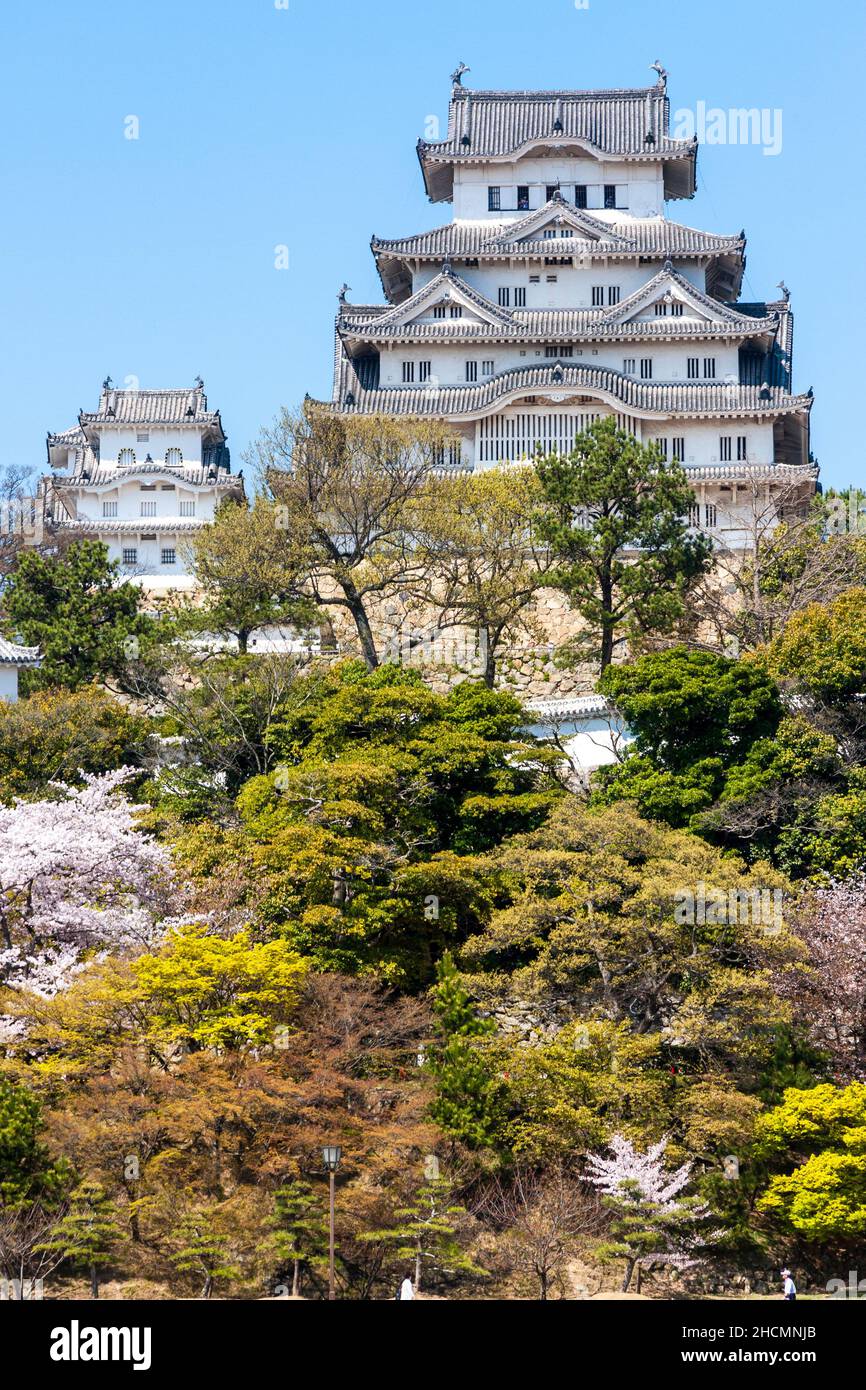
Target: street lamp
331, 1155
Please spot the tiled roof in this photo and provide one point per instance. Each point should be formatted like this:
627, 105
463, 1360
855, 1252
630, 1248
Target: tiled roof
13, 655
375, 322
96, 525
110, 477
636, 236
626, 123
173, 407
684, 398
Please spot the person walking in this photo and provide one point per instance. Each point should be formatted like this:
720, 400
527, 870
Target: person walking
789, 1288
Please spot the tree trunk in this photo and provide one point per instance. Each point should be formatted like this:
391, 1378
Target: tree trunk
94, 1282
243, 640
417, 1268
629, 1271
355, 605
489, 660
208, 1286
296, 1279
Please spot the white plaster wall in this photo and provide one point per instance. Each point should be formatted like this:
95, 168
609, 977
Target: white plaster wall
572, 288
129, 496
641, 186
9, 683
160, 439
449, 361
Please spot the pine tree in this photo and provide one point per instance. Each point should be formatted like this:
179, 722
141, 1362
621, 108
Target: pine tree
467, 1103
300, 1229
201, 1250
88, 1233
427, 1231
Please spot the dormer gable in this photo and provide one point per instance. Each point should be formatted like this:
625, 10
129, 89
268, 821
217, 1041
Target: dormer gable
558, 221
446, 299
670, 294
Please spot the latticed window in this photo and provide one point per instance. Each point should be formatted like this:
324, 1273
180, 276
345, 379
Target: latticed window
710, 514
126, 458
494, 198
646, 368
187, 506
597, 296
522, 434
725, 448
709, 366
130, 556
741, 447
613, 294
173, 458
408, 372
425, 371
693, 367
148, 508
678, 449
168, 555
109, 508
471, 371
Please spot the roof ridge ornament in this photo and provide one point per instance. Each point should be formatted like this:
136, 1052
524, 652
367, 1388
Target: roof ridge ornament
785, 291
343, 291
662, 83
457, 74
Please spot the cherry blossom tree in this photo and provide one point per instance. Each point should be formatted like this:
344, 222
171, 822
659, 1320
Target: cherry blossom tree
654, 1222
830, 997
77, 877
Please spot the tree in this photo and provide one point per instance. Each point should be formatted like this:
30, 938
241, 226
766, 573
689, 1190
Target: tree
694, 714
201, 1250
540, 1213
654, 1223
88, 1233
427, 1232
468, 1103
345, 485
823, 649
300, 1230
612, 514
78, 611
75, 872
57, 734
822, 1132
483, 562
248, 571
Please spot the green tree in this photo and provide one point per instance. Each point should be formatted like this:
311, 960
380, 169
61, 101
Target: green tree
249, 571
427, 1232
88, 1234
822, 649
483, 562
76, 609
468, 1101
612, 515
820, 1135
55, 735
27, 1172
201, 1250
299, 1230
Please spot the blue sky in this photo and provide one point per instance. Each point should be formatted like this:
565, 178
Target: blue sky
263, 126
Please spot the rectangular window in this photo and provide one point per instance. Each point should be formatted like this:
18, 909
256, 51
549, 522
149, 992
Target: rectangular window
130, 557
613, 294
471, 371
187, 506
487, 367
741, 447
692, 368
523, 197
710, 514
677, 308
109, 509
519, 297
168, 557
148, 509
558, 350
147, 487
725, 448
646, 368
439, 311
709, 366
695, 514
142, 439
494, 198
456, 311
535, 279
424, 371
629, 365
610, 195
504, 297
580, 195
551, 279
678, 450
661, 308
663, 447
408, 372
597, 296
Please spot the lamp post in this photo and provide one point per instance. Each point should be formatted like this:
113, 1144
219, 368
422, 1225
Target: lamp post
331, 1155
